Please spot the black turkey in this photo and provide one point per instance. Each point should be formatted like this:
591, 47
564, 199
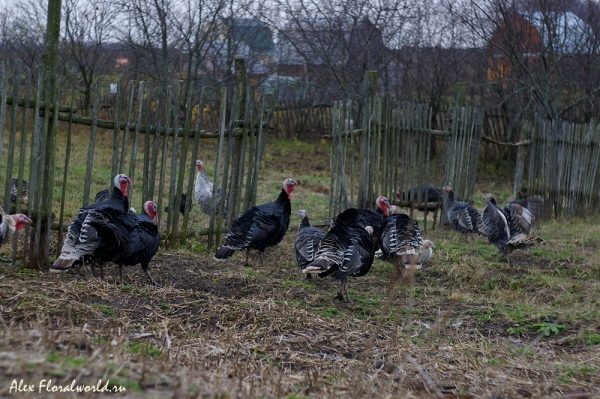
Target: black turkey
428, 194
260, 226
128, 240
11, 223
81, 242
181, 204
203, 191
509, 228
307, 242
346, 250
462, 216
104, 195
24, 191
367, 217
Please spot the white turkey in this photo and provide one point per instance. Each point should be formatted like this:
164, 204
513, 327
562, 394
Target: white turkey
462, 216
509, 228
259, 227
307, 242
426, 251
11, 223
82, 240
346, 250
203, 191
128, 240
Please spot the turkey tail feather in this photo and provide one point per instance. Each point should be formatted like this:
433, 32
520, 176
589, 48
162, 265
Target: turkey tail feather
67, 258
318, 266
223, 253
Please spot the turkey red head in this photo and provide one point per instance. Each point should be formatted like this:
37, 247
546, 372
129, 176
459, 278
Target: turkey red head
150, 209
121, 182
199, 166
447, 189
384, 204
21, 221
288, 186
302, 213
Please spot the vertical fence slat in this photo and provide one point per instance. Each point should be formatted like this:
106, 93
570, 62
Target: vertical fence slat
10, 159
163, 163
116, 131
127, 124
213, 201
136, 134
175, 107
92, 146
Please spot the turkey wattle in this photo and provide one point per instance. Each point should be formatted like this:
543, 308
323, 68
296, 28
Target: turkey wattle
509, 228
129, 240
462, 216
307, 242
11, 223
260, 226
203, 192
77, 249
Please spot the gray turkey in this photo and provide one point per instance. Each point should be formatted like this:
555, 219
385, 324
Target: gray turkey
128, 240
24, 191
203, 191
346, 250
401, 241
307, 242
11, 223
260, 226
509, 228
82, 241
462, 216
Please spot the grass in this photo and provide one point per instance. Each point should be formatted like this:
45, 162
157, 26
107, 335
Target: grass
221, 330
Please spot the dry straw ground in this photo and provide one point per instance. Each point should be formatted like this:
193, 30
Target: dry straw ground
466, 325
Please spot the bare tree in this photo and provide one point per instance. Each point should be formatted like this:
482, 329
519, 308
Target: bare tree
23, 31
337, 41
540, 54
87, 31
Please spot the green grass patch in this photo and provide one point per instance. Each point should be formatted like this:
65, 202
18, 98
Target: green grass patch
143, 348
106, 309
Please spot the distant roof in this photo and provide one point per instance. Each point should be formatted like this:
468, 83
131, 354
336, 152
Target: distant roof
568, 33
256, 34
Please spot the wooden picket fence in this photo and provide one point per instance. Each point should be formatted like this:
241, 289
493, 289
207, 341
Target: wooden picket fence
391, 154
561, 165
155, 141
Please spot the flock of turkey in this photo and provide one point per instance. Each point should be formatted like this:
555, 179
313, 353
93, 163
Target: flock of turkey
107, 231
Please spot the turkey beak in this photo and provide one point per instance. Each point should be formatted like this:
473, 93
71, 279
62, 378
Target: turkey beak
25, 219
